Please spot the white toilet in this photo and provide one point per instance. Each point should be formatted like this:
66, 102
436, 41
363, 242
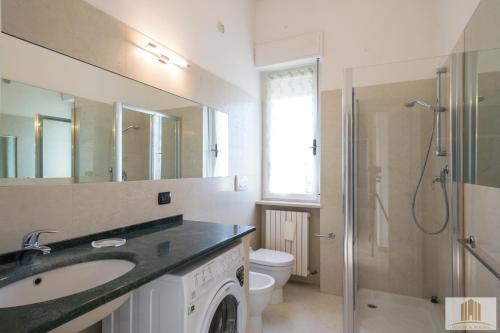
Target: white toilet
261, 291
276, 264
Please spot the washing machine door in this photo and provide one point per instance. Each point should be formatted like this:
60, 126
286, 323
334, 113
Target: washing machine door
227, 310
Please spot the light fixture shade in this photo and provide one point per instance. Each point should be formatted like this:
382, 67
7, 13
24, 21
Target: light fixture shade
165, 55
151, 47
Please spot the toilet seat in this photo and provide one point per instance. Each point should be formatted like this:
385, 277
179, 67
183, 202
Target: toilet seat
271, 258
260, 283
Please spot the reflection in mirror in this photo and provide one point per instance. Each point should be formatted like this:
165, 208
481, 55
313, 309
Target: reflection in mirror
36, 132
94, 144
48, 134
482, 118
482, 96
191, 137
150, 144
217, 143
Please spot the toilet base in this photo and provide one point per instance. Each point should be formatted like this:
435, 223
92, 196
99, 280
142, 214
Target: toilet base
277, 297
255, 324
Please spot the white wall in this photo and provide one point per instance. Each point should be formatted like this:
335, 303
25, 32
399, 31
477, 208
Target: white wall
452, 19
189, 27
364, 32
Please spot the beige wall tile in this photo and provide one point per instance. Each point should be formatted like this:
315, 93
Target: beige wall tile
331, 217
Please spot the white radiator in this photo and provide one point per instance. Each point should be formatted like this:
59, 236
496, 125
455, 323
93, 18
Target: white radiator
275, 240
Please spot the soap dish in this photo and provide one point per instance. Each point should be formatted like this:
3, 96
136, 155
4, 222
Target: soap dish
110, 242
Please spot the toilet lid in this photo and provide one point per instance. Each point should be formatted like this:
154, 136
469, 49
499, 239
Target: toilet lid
271, 258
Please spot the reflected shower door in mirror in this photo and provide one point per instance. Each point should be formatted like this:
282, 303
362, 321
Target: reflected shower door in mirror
150, 144
482, 118
482, 96
48, 134
36, 132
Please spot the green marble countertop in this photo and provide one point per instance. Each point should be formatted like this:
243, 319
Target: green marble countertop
156, 247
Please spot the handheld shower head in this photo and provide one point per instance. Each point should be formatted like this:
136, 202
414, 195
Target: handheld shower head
425, 105
134, 127
419, 102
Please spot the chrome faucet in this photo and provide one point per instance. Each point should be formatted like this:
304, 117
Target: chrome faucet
442, 176
30, 241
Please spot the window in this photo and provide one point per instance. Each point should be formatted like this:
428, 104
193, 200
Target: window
291, 150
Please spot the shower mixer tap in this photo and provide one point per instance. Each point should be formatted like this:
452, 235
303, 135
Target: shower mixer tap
442, 175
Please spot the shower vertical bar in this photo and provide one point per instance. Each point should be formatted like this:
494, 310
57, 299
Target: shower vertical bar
178, 150
348, 169
456, 166
439, 149
117, 174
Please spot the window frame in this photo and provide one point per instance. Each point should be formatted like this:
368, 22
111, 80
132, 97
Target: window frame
295, 197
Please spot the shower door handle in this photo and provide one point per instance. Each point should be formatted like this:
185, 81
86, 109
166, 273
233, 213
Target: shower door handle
329, 235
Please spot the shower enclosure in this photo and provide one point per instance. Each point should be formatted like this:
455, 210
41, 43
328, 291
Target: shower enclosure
400, 197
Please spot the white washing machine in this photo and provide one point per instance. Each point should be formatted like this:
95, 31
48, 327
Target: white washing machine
206, 297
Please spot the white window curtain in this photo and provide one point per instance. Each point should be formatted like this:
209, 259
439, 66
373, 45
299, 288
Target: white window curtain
290, 128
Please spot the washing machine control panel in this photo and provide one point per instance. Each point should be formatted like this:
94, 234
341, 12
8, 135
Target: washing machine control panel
208, 275
204, 276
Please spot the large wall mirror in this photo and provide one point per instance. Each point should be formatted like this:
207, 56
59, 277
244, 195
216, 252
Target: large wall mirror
121, 130
482, 96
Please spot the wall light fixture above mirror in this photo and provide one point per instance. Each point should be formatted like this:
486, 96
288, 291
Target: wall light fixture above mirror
166, 56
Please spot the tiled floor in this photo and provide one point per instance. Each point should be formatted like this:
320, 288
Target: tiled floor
305, 310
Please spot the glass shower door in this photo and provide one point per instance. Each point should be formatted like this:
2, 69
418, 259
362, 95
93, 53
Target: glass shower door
398, 197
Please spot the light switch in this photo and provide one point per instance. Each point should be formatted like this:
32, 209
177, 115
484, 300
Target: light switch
240, 183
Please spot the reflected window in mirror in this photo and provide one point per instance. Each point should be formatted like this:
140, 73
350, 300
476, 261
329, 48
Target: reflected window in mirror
216, 143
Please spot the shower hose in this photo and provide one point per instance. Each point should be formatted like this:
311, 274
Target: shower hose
443, 188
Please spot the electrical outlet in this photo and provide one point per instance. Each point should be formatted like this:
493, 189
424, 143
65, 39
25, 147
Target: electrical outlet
164, 198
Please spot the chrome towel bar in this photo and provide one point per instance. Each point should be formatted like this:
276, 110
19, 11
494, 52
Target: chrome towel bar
491, 263
329, 235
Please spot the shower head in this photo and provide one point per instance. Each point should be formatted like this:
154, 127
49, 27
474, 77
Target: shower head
425, 105
421, 103
134, 127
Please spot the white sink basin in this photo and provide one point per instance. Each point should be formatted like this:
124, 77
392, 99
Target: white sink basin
62, 282
66, 281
